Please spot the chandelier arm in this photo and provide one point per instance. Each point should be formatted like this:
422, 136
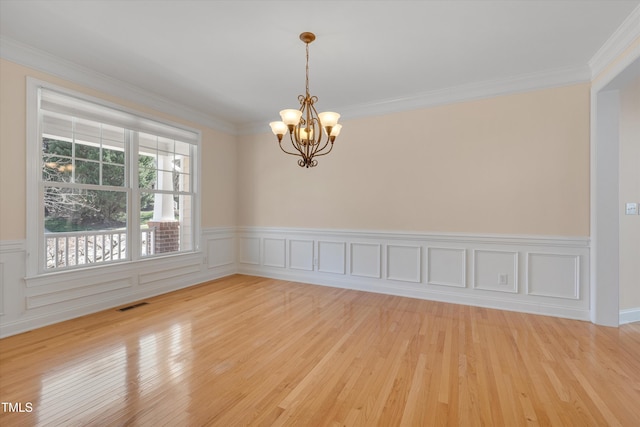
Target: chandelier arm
319, 151
325, 153
309, 124
317, 127
311, 144
318, 148
289, 152
295, 143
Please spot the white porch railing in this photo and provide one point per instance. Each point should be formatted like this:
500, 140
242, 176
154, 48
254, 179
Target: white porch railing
79, 248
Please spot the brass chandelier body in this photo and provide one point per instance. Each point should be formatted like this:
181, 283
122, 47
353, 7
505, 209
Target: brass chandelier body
311, 134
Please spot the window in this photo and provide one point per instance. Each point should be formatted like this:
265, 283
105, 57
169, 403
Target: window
112, 186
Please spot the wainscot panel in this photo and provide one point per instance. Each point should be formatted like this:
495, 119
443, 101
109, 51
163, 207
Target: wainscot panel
332, 257
495, 270
553, 275
249, 250
221, 251
1, 288
275, 252
404, 263
152, 275
365, 259
86, 292
447, 267
12, 271
301, 254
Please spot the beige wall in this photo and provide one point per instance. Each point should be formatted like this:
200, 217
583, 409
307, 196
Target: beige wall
630, 192
12, 151
516, 164
218, 155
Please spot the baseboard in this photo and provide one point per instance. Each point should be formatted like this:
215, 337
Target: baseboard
629, 315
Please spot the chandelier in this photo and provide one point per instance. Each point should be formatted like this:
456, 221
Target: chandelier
306, 126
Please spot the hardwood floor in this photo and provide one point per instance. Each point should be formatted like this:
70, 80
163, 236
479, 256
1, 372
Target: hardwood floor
253, 351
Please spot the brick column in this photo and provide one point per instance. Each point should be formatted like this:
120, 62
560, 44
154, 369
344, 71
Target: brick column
166, 236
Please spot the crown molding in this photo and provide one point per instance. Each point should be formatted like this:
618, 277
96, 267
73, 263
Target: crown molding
467, 92
620, 40
473, 91
45, 62
42, 61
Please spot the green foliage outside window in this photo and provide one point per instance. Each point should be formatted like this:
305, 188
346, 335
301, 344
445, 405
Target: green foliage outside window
76, 210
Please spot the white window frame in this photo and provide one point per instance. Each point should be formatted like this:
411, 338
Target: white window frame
35, 211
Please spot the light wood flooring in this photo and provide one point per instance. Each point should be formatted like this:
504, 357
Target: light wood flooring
253, 351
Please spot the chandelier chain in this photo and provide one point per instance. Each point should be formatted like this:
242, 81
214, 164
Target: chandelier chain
307, 71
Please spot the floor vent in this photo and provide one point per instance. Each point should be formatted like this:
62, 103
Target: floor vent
133, 306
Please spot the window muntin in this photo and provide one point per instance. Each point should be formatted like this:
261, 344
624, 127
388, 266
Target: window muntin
164, 182
105, 176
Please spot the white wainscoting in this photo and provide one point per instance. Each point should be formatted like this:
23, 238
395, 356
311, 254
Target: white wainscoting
447, 267
1, 288
221, 250
544, 275
365, 259
301, 254
551, 275
404, 263
275, 252
250, 250
332, 257
490, 266
29, 303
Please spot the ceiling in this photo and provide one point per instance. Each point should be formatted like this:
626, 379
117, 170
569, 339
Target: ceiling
242, 61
